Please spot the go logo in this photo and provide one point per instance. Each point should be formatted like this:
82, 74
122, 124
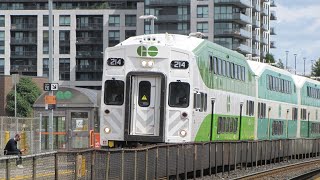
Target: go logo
152, 51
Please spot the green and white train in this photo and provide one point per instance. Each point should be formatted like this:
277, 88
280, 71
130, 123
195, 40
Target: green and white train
167, 88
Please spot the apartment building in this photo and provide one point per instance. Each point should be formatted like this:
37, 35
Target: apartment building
83, 29
81, 32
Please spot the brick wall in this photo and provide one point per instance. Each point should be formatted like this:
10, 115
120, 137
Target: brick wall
6, 85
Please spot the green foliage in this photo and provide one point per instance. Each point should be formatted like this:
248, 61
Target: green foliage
316, 69
27, 94
280, 64
269, 58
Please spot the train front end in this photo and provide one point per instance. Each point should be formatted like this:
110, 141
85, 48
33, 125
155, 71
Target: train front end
146, 92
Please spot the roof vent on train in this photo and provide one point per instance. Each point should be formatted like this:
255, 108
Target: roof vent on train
149, 39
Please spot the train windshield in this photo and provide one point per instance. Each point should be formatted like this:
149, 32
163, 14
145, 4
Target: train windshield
179, 94
114, 92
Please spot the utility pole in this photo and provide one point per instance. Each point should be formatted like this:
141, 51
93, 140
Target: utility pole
287, 52
304, 66
295, 63
50, 73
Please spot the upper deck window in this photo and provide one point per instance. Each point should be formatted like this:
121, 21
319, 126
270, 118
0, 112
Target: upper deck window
114, 92
179, 94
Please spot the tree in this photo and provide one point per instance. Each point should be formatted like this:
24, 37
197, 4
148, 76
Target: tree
27, 94
316, 69
280, 64
269, 58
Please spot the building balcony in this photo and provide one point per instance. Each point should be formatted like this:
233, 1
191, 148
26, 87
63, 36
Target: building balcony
237, 17
256, 7
243, 48
256, 37
89, 68
172, 18
264, 11
264, 40
255, 22
173, 31
272, 3
89, 54
23, 54
168, 3
90, 26
272, 31
255, 52
89, 40
239, 33
238, 3
23, 68
264, 27
24, 27
273, 15
273, 44
25, 40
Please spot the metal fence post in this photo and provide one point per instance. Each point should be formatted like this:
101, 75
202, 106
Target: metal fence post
34, 168
194, 161
108, 166
229, 157
146, 164
122, 164
201, 160
177, 162
185, 162
167, 162
135, 165
7, 169
56, 167
76, 167
157, 162
210, 172
93, 157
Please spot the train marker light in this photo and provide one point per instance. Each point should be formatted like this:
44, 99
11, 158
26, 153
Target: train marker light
107, 130
184, 114
183, 133
150, 63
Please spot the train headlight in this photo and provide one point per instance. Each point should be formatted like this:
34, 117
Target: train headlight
150, 63
183, 133
144, 63
107, 130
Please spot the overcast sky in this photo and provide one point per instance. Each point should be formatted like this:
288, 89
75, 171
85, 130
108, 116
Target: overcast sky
298, 31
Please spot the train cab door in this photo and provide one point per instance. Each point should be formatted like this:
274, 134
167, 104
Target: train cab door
145, 106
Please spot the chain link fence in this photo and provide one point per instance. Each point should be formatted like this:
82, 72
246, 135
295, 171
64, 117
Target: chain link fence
167, 161
29, 128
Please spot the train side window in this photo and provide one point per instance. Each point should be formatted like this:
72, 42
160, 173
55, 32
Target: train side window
114, 92
211, 64
250, 108
144, 94
294, 113
232, 70
220, 125
235, 125
179, 94
215, 64
228, 69
205, 102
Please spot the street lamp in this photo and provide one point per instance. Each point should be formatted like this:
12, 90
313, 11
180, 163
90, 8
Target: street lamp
295, 63
152, 18
287, 52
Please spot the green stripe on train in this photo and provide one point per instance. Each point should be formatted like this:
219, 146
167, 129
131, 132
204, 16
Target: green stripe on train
264, 133
247, 129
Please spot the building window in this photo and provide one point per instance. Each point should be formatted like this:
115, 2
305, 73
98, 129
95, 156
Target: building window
1, 66
64, 69
131, 20
130, 33
202, 11
202, 27
2, 21
45, 67
114, 37
64, 42
64, 20
1, 42
114, 20
46, 21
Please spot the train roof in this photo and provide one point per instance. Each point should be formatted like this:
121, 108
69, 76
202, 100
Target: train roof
258, 68
301, 80
184, 42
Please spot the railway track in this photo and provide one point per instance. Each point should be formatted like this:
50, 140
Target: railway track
285, 172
